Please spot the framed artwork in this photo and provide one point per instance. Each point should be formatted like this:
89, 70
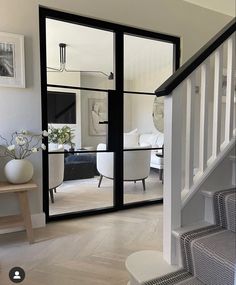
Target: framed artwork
12, 60
97, 113
158, 113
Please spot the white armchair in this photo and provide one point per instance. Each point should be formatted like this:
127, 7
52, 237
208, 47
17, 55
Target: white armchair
56, 171
136, 164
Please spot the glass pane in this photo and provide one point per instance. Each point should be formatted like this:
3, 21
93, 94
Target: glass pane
84, 58
148, 63
80, 112
143, 120
74, 182
143, 172
143, 167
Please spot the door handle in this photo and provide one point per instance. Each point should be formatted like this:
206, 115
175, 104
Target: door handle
103, 123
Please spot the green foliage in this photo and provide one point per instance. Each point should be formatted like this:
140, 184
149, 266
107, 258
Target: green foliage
63, 135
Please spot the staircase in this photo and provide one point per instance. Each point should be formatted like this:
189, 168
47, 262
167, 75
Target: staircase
208, 253
200, 137
200, 128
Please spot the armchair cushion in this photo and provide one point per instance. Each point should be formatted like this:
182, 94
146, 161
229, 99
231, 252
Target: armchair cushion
131, 139
136, 163
154, 139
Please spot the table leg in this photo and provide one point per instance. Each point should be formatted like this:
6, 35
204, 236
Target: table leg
25, 212
161, 174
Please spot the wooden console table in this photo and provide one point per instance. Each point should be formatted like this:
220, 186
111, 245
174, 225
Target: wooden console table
24, 218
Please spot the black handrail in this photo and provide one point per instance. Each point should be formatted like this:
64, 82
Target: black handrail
188, 67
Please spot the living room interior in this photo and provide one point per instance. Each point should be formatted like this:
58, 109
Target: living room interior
81, 238
72, 60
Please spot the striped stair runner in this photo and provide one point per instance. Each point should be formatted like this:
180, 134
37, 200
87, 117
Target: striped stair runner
225, 208
209, 253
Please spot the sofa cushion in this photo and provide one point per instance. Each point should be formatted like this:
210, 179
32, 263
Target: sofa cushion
131, 139
156, 161
148, 139
154, 139
160, 140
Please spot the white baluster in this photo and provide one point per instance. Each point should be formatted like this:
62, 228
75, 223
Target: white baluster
205, 69
189, 155
230, 89
216, 140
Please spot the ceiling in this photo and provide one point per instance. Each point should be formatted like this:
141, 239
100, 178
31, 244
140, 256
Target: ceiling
227, 7
92, 49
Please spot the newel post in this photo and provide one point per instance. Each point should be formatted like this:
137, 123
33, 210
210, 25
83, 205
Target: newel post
173, 116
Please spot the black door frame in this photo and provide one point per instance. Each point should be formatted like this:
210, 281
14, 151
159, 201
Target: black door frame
117, 100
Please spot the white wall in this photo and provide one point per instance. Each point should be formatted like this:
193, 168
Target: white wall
142, 105
21, 108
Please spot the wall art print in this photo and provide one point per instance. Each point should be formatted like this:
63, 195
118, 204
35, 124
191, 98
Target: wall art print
12, 60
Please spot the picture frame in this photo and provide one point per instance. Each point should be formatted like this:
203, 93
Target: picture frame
97, 112
158, 113
12, 60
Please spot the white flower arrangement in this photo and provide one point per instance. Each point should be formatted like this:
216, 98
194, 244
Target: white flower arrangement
63, 135
22, 144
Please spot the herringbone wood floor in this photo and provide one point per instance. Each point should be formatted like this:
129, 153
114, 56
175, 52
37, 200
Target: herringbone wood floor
88, 251
84, 194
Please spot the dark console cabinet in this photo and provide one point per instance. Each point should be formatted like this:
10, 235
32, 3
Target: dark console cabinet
80, 166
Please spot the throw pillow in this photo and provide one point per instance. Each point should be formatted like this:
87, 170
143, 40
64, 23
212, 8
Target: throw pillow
131, 139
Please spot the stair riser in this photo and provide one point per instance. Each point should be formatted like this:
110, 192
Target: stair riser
225, 209
209, 210
231, 212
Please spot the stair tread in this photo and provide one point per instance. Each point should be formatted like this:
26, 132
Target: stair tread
214, 257
191, 281
232, 157
220, 244
179, 231
211, 192
180, 277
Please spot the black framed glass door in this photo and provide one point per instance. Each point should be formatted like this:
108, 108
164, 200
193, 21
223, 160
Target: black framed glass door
79, 73
85, 83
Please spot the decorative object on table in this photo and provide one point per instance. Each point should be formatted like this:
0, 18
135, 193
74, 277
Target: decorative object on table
12, 60
20, 146
61, 136
158, 113
97, 114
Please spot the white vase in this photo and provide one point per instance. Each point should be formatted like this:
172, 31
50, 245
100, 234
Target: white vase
18, 171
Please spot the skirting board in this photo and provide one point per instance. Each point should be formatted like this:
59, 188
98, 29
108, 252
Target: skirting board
38, 221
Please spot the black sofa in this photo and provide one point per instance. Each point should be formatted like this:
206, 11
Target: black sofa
80, 166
